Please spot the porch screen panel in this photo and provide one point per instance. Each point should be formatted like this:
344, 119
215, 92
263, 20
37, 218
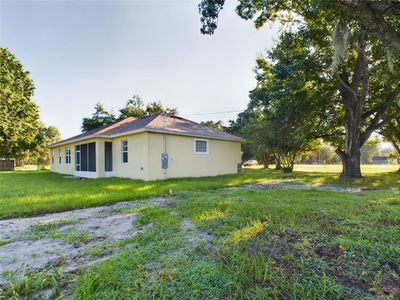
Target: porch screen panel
84, 157
92, 157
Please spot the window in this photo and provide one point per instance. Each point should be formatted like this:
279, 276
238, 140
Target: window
52, 156
68, 155
200, 146
85, 157
124, 145
59, 156
78, 157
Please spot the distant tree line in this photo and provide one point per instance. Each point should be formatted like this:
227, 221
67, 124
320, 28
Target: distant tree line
134, 107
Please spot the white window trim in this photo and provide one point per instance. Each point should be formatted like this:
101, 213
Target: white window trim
194, 146
68, 155
59, 156
122, 151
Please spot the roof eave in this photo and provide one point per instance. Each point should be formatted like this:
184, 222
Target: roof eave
92, 136
235, 139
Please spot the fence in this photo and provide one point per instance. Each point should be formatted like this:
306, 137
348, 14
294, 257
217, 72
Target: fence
6, 165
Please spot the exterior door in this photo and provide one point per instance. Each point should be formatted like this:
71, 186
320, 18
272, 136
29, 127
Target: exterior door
108, 155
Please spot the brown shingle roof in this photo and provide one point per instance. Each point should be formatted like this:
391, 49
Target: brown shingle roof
155, 123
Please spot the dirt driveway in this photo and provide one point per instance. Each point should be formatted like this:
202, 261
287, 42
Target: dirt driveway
73, 239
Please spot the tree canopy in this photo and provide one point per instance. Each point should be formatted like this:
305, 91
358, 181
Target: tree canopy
47, 135
391, 132
331, 65
100, 117
19, 115
381, 19
219, 125
134, 107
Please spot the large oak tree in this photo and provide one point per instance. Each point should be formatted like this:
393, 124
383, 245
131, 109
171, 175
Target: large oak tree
378, 18
357, 78
19, 115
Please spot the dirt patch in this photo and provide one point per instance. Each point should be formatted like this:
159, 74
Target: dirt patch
285, 185
194, 236
71, 240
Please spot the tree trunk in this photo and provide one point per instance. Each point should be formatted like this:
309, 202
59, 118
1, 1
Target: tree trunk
266, 160
351, 164
351, 154
266, 163
278, 162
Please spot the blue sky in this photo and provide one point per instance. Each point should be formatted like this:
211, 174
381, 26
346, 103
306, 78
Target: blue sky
83, 52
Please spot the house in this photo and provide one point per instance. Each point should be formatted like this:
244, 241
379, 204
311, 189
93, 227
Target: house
155, 147
380, 160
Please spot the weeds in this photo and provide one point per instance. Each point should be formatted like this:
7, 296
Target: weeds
29, 284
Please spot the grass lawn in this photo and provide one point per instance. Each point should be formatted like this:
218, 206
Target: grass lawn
239, 243
275, 244
26, 193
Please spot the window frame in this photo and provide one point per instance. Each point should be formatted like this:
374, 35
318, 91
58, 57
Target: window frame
78, 158
52, 156
201, 140
59, 156
68, 155
123, 151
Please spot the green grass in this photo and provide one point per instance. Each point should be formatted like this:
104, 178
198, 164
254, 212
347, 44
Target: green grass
28, 284
27, 193
275, 244
263, 244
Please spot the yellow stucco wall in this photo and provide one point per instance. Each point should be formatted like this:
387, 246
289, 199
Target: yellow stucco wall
63, 167
222, 158
137, 166
144, 157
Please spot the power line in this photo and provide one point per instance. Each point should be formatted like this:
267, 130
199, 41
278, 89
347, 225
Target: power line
214, 113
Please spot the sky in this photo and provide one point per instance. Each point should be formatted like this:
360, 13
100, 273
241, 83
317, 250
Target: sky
83, 52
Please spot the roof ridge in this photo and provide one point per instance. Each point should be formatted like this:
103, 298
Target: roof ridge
156, 116
115, 124
153, 123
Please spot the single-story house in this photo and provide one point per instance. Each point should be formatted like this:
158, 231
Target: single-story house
155, 147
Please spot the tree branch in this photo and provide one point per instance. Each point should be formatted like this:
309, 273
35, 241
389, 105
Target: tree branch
372, 21
349, 89
391, 99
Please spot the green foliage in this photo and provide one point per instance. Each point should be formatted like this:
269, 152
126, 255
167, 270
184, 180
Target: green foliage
369, 149
281, 117
19, 115
391, 132
136, 108
218, 125
99, 118
47, 136
323, 153
353, 95
379, 19
24, 286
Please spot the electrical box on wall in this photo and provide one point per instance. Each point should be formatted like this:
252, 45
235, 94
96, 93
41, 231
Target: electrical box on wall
164, 161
